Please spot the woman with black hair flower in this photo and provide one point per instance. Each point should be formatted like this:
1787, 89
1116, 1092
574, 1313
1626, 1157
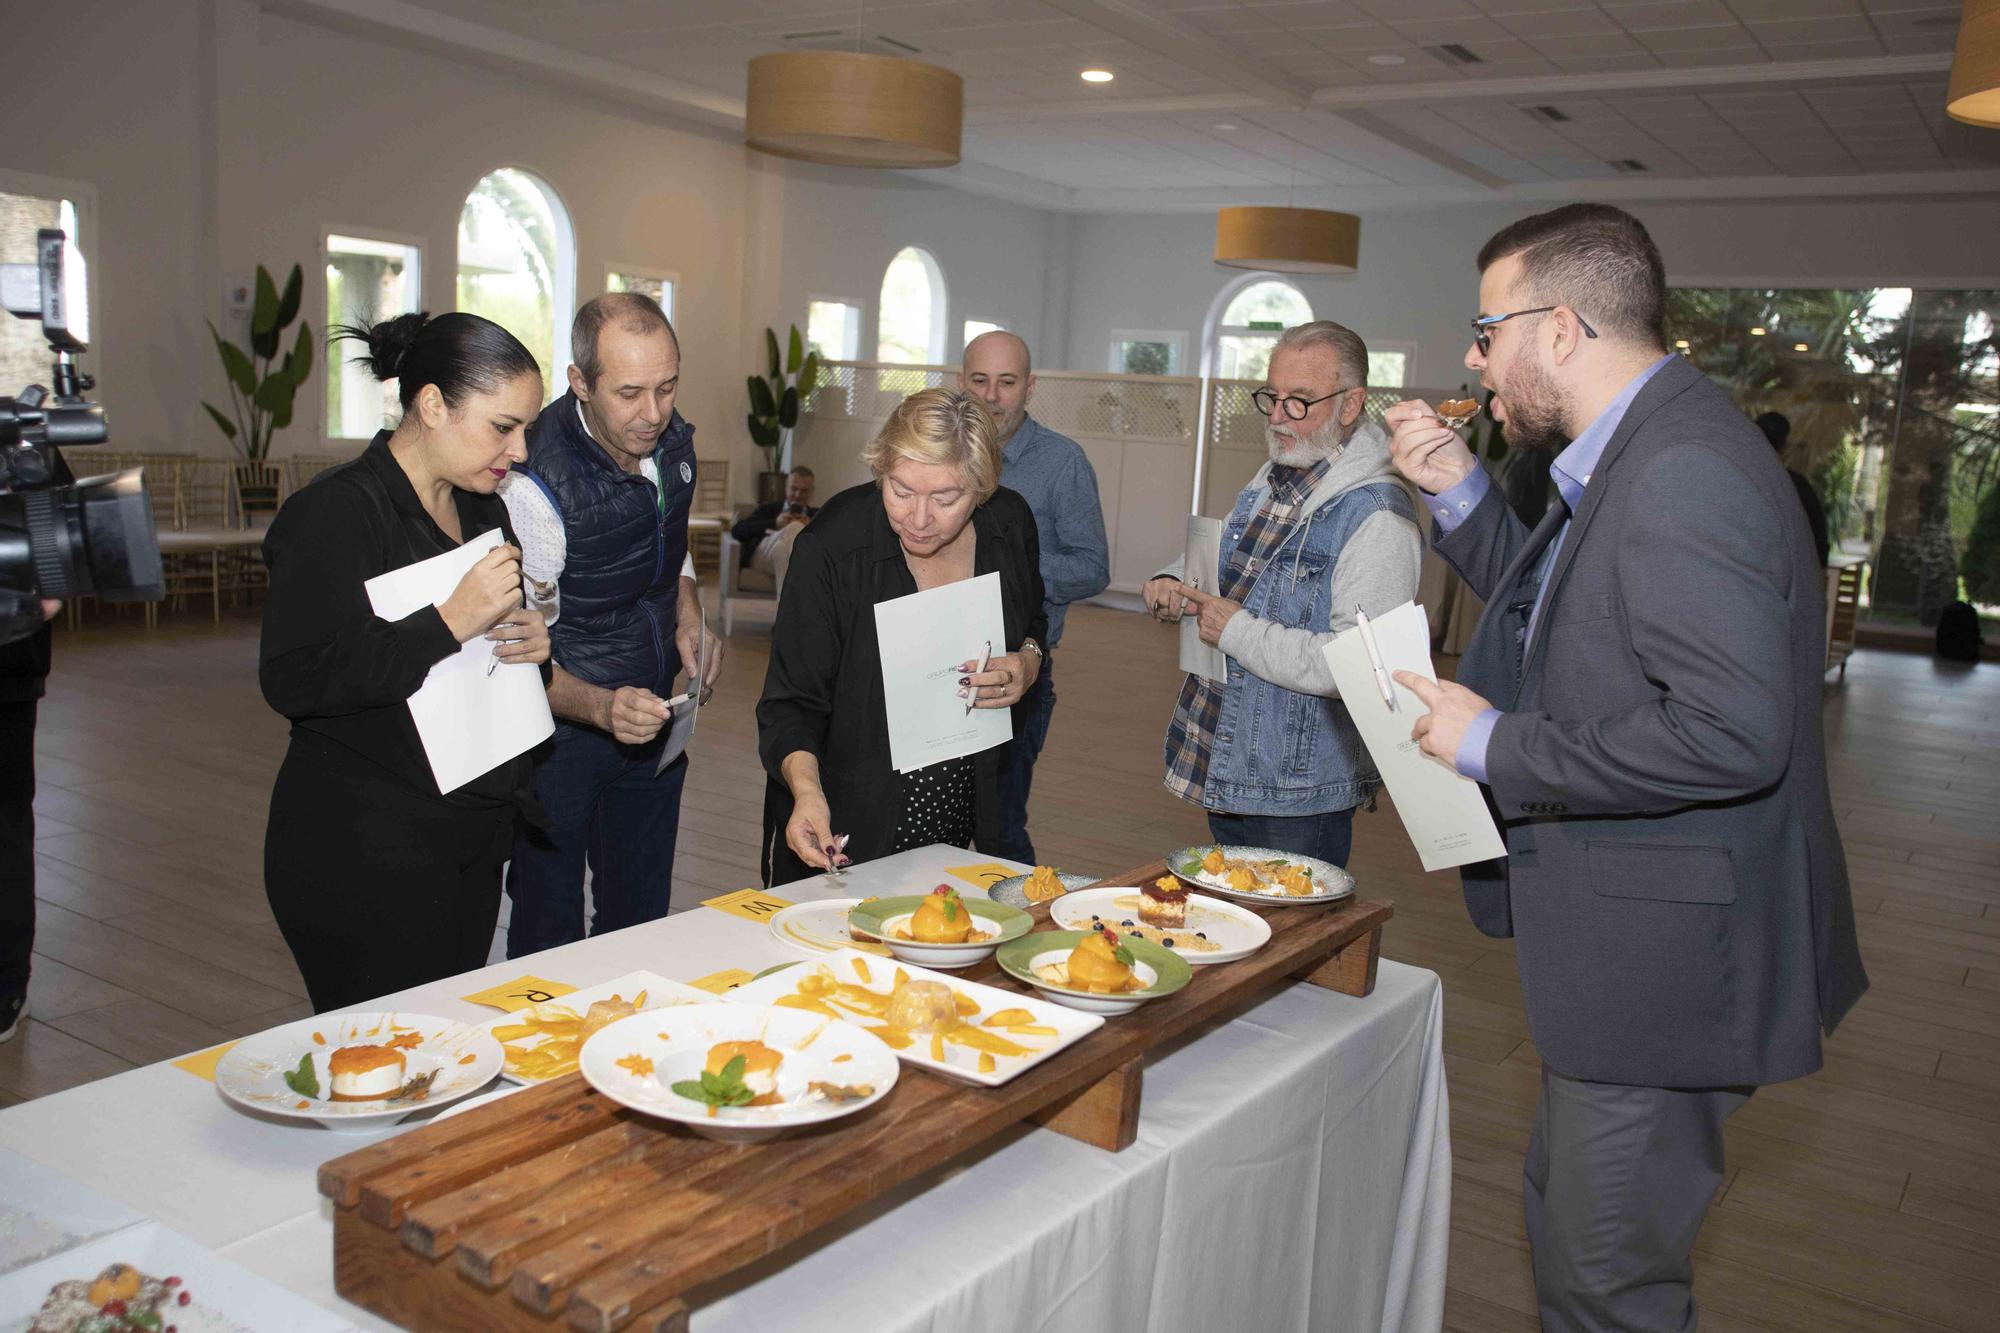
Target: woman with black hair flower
378, 880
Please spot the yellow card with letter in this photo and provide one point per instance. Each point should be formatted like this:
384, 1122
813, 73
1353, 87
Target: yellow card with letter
202, 1063
750, 904
982, 876
519, 993
729, 978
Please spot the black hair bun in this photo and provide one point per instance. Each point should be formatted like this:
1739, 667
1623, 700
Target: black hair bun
388, 343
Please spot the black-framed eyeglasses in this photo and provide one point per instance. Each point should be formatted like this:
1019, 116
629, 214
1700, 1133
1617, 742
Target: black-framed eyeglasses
1295, 406
1482, 326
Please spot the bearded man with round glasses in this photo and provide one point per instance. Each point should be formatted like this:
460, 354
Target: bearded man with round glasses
1322, 529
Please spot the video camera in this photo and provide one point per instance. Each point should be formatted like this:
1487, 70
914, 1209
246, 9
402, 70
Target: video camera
60, 537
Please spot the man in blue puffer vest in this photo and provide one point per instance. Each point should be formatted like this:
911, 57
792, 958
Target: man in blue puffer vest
601, 509
1324, 527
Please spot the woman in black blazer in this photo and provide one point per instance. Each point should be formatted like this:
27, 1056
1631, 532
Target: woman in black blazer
935, 514
379, 881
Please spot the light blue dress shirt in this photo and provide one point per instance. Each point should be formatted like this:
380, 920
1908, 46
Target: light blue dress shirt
1571, 472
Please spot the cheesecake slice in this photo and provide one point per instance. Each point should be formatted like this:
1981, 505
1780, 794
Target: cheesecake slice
1164, 903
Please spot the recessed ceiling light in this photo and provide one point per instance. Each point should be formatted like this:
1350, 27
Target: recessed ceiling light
1225, 126
1387, 59
1759, 331
1097, 76
1682, 344
1800, 347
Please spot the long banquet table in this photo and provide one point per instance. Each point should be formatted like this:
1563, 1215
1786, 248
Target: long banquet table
1292, 1168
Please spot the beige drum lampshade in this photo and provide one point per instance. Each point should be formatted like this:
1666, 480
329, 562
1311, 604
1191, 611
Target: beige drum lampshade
854, 110
1287, 240
1975, 70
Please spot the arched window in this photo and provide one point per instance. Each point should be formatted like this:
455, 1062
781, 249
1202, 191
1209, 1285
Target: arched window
911, 325
1252, 316
517, 265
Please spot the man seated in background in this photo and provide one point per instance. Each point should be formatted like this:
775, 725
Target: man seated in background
767, 532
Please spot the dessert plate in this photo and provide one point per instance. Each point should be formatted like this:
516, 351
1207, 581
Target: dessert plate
857, 987
883, 917
1330, 882
548, 1047
637, 1061
252, 1073
1215, 931
1013, 892
1163, 971
821, 927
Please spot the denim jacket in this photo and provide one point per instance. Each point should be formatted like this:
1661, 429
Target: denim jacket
1279, 751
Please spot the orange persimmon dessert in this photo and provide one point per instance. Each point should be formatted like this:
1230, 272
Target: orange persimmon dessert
941, 918
760, 1067
1094, 965
365, 1073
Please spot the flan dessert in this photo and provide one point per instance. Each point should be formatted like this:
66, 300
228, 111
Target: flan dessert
941, 918
760, 1068
1163, 903
922, 1006
365, 1073
603, 1013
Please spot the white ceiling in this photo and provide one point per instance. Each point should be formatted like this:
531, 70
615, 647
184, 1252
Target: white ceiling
1225, 101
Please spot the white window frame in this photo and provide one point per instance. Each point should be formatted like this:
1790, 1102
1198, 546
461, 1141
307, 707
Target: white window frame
940, 340
1214, 330
991, 326
414, 282
647, 271
1115, 364
860, 309
563, 299
1404, 345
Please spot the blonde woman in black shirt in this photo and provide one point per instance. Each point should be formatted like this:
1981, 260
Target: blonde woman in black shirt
378, 880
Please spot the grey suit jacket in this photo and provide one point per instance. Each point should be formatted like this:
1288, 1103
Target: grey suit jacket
1674, 880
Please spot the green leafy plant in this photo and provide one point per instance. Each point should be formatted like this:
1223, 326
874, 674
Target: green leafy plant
777, 394
724, 1089
260, 396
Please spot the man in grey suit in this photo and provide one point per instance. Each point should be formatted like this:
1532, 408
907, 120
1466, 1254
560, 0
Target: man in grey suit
1641, 700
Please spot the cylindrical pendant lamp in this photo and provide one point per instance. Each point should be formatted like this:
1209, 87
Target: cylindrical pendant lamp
1975, 69
854, 110
1287, 240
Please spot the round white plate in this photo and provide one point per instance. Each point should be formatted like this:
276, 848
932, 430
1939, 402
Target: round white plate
1334, 882
677, 1041
252, 1072
821, 927
1236, 933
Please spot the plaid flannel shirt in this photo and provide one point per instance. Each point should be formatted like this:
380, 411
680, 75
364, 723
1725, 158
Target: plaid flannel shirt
1191, 733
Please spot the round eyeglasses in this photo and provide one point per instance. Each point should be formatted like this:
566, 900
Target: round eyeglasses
1295, 406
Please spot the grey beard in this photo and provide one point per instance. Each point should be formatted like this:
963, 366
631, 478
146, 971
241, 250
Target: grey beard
1326, 442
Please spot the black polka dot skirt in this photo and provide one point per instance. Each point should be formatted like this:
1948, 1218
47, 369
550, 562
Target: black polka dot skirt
937, 806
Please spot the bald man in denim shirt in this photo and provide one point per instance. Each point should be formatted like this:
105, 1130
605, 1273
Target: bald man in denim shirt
1052, 474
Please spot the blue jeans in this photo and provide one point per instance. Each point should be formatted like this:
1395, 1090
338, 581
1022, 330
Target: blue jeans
1017, 770
1330, 837
605, 807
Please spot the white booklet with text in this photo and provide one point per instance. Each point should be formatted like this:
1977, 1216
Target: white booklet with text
1202, 569
472, 712
924, 638
1444, 812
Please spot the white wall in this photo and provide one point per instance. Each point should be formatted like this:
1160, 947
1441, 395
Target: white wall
1417, 280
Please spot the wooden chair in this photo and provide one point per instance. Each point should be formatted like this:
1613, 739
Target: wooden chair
1843, 608
710, 514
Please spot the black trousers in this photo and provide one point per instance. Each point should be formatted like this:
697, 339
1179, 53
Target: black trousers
17, 843
377, 889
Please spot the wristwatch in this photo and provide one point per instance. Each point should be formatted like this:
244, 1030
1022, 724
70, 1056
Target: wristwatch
1030, 646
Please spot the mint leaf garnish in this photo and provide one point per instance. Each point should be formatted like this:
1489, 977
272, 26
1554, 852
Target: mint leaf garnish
718, 1089
303, 1080
1123, 955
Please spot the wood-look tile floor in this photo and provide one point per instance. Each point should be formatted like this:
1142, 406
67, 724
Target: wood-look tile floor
1867, 1197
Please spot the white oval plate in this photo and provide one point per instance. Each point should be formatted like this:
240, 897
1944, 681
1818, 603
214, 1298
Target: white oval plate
1337, 883
677, 1042
252, 1072
1236, 933
821, 927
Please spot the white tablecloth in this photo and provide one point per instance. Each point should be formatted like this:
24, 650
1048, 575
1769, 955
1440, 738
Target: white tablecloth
1293, 1168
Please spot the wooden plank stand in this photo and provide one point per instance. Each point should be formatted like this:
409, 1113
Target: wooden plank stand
556, 1207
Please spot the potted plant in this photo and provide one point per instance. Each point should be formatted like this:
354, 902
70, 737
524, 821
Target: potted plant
260, 397
775, 397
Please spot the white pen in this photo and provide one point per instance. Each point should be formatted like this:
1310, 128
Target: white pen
985, 660
1375, 661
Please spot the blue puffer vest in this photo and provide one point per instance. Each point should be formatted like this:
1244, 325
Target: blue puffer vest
1279, 752
624, 542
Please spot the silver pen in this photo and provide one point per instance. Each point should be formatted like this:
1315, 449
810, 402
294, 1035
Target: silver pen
985, 660
1374, 650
